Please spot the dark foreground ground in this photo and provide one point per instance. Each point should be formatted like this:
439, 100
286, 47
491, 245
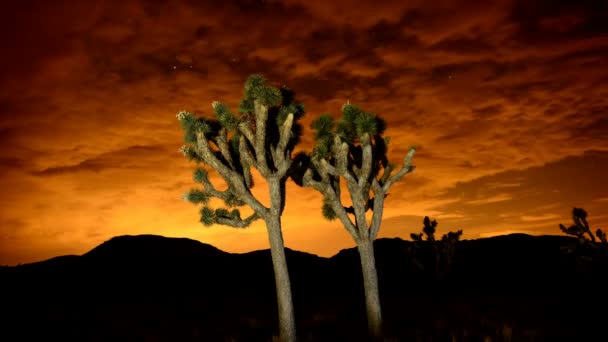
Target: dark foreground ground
150, 288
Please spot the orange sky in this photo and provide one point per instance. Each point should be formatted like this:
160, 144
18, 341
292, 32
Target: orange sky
508, 100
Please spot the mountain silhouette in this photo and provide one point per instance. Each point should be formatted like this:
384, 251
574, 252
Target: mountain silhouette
153, 288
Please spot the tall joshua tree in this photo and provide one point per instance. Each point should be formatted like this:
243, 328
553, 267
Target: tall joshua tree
354, 150
262, 137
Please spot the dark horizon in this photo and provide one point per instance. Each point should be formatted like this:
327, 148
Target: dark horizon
143, 237
150, 288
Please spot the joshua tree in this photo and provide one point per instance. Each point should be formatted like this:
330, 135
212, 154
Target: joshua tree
581, 227
428, 230
262, 136
601, 235
448, 246
585, 236
355, 151
443, 250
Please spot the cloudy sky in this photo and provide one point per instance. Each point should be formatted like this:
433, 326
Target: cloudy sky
507, 99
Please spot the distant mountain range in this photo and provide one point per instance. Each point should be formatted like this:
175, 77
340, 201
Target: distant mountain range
153, 288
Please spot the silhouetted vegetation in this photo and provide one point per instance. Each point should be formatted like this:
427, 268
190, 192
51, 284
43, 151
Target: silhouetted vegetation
581, 229
150, 288
441, 251
587, 249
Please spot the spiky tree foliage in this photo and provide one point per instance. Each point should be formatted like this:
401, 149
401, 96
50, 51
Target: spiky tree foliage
580, 228
601, 235
448, 248
262, 136
587, 240
354, 150
443, 249
428, 230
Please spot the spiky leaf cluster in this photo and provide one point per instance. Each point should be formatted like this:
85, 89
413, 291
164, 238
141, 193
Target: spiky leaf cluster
231, 145
256, 89
232, 199
323, 128
225, 117
328, 210
191, 125
190, 154
281, 103
207, 216
355, 123
229, 214
201, 176
196, 196
354, 126
352, 149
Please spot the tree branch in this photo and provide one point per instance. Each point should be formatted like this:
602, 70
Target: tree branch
261, 116
340, 211
280, 156
366, 163
222, 144
246, 161
407, 167
308, 181
328, 168
341, 156
231, 176
386, 173
246, 131
378, 209
212, 191
326, 190
237, 222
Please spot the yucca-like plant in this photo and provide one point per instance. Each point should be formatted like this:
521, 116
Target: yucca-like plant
580, 228
443, 249
263, 136
587, 246
354, 149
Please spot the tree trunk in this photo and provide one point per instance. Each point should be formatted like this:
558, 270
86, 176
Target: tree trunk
370, 282
287, 325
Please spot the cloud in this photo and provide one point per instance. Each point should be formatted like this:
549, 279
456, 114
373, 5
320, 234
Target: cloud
127, 158
493, 199
505, 98
542, 217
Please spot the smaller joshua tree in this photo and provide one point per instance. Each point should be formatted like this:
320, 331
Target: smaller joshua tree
587, 240
443, 250
353, 151
581, 229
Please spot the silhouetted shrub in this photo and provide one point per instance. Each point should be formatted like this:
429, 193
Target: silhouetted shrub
588, 248
441, 252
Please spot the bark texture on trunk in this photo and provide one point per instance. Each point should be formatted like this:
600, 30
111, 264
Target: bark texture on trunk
370, 282
287, 324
